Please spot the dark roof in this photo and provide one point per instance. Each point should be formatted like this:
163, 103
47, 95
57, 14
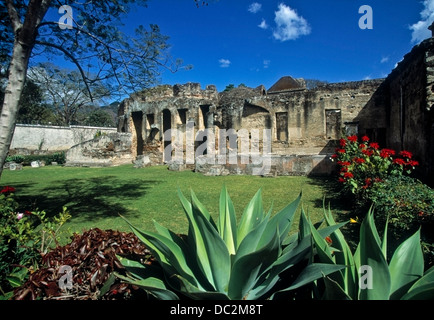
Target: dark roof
286, 83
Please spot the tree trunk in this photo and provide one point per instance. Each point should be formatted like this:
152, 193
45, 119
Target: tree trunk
9, 111
24, 40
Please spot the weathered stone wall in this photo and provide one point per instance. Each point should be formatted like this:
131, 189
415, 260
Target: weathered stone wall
301, 122
52, 138
278, 165
401, 112
106, 150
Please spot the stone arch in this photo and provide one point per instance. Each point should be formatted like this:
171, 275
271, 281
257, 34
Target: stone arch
255, 117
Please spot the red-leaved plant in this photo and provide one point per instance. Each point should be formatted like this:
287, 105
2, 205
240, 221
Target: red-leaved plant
363, 164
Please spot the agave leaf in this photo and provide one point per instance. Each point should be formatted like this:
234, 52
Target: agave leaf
406, 266
313, 272
212, 251
343, 256
290, 257
371, 255
323, 250
304, 226
195, 237
167, 252
153, 286
423, 292
334, 291
248, 268
227, 225
252, 216
251, 241
194, 292
283, 219
427, 278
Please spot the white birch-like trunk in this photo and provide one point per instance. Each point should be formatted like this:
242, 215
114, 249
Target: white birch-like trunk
10, 108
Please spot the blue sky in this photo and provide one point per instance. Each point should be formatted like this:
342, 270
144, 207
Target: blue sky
257, 42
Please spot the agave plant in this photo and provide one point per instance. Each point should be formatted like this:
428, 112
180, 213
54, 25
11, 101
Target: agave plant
224, 259
369, 275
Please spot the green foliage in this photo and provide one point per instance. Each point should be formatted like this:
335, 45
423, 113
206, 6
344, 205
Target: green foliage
370, 275
32, 107
363, 165
59, 157
23, 238
15, 158
406, 202
99, 118
226, 260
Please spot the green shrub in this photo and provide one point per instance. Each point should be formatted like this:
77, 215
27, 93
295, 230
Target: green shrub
371, 275
15, 158
24, 236
257, 258
58, 157
363, 165
406, 202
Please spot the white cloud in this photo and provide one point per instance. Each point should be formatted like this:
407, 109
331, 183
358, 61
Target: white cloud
266, 64
224, 63
289, 24
420, 30
255, 7
384, 59
263, 24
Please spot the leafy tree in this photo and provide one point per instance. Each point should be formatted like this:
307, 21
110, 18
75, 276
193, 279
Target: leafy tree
32, 108
66, 92
88, 35
229, 87
99, 118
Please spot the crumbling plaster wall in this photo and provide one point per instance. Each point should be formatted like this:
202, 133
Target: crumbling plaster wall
305, 112
297, 119
402, 109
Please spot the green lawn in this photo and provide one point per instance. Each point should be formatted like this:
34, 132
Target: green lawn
96, 196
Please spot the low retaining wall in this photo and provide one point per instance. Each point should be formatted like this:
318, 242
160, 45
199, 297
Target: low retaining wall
107, 150
53, 138
275, 165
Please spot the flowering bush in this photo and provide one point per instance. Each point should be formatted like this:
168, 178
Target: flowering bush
379, 176
405, 202
363, 164
24, 236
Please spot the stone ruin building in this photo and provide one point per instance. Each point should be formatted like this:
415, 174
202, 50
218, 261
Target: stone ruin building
304, 124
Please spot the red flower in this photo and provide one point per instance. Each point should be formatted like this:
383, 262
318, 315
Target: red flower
368, 182
342, 142
7, 189
367, 152
329, 240
385, 153
359, 160
353, 138
374, 145
344, 163
348, 175
362, 146
342, 180
341, 150
412, 163
334, 156
406, 154
399, 161
365, 138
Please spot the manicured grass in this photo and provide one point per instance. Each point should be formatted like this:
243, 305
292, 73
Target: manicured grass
97, 196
